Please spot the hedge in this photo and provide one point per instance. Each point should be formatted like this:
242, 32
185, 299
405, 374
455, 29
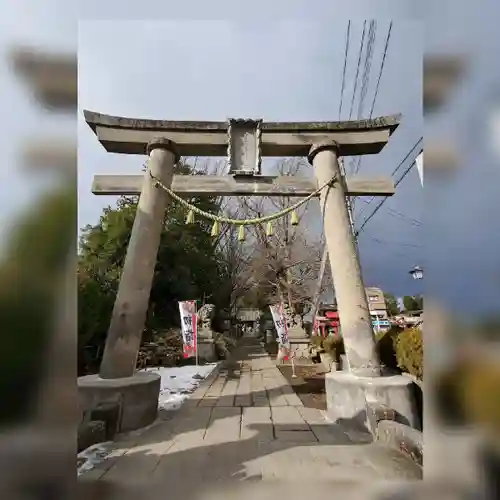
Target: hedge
385, 344
410, 352
166, 349
398, 349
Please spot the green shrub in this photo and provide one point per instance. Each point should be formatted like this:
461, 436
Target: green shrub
410, 352
334, 346
386, 348
397, 349
164, 349
316, 341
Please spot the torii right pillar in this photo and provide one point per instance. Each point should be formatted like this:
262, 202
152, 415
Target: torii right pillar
359, 393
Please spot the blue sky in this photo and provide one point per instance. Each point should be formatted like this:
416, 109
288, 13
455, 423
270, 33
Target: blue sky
280, 71
460, 236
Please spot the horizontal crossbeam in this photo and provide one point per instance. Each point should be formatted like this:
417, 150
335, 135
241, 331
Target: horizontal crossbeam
212, 185
131, 136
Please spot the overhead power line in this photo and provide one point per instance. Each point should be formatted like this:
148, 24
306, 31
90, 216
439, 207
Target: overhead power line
383, 201
382, 64
372, 33
396, 243
407, 156
399, 215
345, 67
396, 169
377, 208
377, 87
360, 158
396, 252
365, 79
406, 172
357, 69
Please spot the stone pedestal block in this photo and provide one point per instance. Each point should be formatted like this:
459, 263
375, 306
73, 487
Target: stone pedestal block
300, 346
402, 438
90, 433
207, 350
109, 413
349, 396
137, 397
344, 362
295, 331
205, 334
270, 336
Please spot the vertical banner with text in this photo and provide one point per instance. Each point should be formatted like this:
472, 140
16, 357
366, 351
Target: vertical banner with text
278, 313
316, 326
189, 321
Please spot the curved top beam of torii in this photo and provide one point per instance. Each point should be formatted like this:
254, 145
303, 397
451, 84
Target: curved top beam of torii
200, 138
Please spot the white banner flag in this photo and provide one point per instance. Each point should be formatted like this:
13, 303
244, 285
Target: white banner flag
189, 320
420, 167
278, 313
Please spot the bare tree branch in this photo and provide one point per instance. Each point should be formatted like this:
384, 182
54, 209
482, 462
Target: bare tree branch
285, 264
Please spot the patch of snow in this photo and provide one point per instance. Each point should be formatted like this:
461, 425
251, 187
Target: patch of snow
92, 456
179, 382
176, 385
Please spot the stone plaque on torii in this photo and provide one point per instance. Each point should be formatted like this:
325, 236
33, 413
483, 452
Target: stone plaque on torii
244, 142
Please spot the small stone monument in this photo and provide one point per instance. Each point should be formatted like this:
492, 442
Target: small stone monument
206, 334
299, 341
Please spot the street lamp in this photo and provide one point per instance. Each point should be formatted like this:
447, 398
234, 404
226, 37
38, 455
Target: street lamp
417, 272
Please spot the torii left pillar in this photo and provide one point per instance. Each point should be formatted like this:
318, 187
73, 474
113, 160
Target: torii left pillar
136, 394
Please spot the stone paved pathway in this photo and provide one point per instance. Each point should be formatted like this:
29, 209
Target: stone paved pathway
247, 423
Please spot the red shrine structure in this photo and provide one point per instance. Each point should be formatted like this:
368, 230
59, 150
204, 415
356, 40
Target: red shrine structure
327, 321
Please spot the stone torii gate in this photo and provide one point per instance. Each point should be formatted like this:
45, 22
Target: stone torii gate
244, 142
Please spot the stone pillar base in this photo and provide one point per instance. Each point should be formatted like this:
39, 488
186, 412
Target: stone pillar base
344, 363
137, 397
206, 350
349, 398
